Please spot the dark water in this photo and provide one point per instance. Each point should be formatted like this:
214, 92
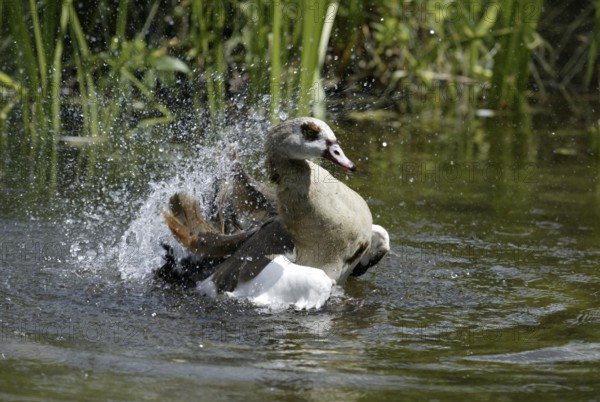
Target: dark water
491, 291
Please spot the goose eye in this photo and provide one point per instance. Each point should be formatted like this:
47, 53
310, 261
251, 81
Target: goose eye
310, 131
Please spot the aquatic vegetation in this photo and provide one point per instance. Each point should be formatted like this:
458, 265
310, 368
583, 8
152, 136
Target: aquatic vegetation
511, 65
593, 50
111, 74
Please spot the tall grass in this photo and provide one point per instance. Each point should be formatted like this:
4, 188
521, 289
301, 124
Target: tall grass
517, 24
276, 49
134, 71
311, 34
456, 53
32, 75
208, 22
54, 53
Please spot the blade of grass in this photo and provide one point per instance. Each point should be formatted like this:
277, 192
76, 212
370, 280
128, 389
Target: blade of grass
1, 14
29, 76
311, 30
19, 30
51, 16
511, 65
122, 19
90, 96
41, 53
275, 61
220, 62
57, 71
319, 107
256, 36
151, 15
202, 49
55, 93
593, 52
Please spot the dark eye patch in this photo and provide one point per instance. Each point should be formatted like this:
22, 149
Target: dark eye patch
310, 131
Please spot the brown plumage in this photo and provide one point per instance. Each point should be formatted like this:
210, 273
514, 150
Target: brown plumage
241, 202
191, 229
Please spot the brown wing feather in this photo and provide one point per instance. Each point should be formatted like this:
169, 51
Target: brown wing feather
198, 236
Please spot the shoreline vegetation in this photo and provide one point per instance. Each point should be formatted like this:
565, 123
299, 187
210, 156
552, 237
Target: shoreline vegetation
95, 75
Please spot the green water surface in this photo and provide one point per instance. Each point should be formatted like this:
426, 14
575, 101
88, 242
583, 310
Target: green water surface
491, 290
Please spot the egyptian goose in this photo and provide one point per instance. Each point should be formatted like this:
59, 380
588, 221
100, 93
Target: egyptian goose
326, 224
329, 223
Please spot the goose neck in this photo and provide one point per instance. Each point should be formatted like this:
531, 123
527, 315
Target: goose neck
284, 169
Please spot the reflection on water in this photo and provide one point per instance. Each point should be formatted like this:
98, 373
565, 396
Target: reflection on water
491, 287
572, 352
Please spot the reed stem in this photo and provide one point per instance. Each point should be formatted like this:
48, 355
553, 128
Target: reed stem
593, 62
276, 62
311, 30
41, 54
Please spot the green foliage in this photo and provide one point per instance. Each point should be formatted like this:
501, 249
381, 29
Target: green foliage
511, 67
469, 52
123, 70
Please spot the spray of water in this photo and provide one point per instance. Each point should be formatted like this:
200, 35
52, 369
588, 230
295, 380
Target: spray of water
137, 250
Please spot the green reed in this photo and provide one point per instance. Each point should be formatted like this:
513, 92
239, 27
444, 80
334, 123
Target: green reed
511, 65
281, 53
119, 76
311, 32
276, 59
593, 62
319, 105
32, 75
208, 22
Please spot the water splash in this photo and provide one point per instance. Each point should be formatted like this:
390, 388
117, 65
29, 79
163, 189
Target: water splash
137, 250
140, 249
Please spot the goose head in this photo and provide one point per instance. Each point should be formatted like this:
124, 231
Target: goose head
305, 138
